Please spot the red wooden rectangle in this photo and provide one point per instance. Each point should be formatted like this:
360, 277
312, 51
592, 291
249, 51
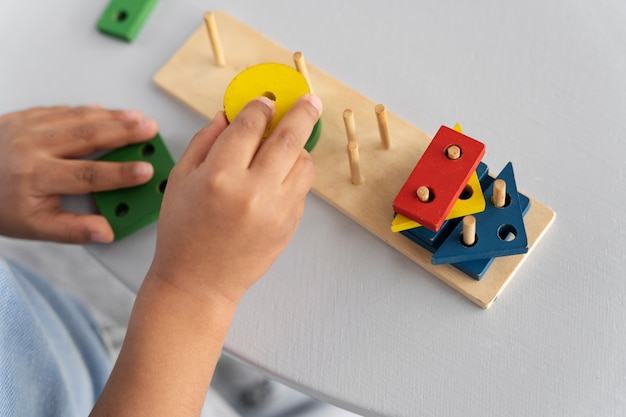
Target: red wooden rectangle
445, 178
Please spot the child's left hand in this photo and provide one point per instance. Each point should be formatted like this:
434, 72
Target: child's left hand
38, 148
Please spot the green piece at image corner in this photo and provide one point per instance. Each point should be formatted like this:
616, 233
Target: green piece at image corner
124, 19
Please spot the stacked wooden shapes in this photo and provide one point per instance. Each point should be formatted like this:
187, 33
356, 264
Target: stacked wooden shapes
428, 196
496, 223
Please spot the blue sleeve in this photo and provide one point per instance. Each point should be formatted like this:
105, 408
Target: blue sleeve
52, 360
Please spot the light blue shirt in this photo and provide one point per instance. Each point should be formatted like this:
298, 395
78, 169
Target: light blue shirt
52, 360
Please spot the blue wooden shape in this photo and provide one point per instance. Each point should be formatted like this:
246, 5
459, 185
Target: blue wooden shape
426, 245
429, 239
432, 240
476, 269
500, 231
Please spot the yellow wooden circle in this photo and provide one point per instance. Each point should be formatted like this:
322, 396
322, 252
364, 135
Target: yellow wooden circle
278, 82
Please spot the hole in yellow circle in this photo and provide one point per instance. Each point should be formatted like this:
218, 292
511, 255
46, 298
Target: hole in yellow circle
269, 95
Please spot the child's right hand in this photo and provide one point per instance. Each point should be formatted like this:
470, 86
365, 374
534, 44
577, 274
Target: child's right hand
230, 207
233, 202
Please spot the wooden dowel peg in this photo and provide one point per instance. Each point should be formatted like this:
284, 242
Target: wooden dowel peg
469, 230
298, 59
453, 152
499, 193
348, 121
423, 194
214, 37
355, 163
383, 125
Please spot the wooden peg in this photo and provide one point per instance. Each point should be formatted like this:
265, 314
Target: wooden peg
355, 163
469, 230
348, 121
383, 125
423, 194
499, 193
298, 59
214, 37
453, 152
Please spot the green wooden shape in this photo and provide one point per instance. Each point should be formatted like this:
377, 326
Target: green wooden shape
315, 136
125, 18
129, 209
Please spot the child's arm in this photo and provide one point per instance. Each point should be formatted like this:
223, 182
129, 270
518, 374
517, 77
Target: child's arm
37, 165
230, 208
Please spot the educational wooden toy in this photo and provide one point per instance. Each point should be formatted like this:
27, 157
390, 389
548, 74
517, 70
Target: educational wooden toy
125, 18
470, 201
477, 268
499, 231
129, 209
438, 179
279, 82
432, 240
384, 170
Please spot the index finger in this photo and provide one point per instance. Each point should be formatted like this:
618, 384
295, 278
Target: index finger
80, 176
63, 116
283, 147
238, 143
83, 139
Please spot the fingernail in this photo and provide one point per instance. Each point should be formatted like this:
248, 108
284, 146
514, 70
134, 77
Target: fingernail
143, 169
98, 237
315, 101
269, 103
133, 114
148, 124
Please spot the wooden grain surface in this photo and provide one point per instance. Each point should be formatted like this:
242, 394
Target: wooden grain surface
192, 77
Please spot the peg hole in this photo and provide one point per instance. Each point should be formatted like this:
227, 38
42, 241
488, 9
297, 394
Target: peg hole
269, 95
122, 210
465, 244
148, 150
507, 232
120, 16
162, 186
507, 200
467, 193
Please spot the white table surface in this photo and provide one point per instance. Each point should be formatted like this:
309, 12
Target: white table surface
341, 315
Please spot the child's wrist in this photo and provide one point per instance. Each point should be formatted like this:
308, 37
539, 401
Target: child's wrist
188, 288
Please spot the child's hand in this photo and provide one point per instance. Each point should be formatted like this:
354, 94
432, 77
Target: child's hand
37, 166
232, 203
230, 207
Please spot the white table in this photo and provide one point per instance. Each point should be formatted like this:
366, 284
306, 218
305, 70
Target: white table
341, 315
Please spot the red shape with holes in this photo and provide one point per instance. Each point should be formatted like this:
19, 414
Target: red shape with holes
444, 178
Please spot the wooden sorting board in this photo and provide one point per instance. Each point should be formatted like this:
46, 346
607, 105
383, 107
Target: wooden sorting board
192, 77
